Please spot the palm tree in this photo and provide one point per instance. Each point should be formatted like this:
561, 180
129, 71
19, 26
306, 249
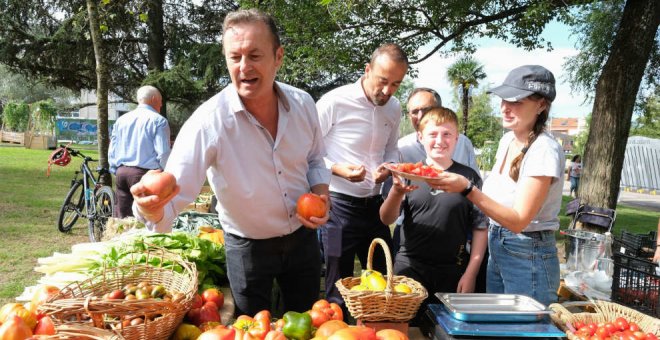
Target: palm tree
465, 75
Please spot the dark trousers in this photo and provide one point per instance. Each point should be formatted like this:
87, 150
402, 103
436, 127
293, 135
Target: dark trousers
293, 260
353, 224
126, 176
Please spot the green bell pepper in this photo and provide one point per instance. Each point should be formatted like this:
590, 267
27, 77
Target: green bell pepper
297, 326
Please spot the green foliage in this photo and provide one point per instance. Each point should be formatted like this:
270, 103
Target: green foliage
44, 115
464, 75
486, 157
647, 123
580, 141
484, 124
595, 24
15, 117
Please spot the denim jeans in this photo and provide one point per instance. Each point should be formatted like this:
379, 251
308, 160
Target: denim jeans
525, 263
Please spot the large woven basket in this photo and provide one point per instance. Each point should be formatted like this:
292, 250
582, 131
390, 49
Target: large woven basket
81, 303
77, 332
388, 305
605, 312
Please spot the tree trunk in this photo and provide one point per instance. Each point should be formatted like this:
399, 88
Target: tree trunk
156, 43
616, 91
102, 73
466, 101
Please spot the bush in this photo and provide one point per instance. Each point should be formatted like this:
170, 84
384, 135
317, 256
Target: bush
15, 117
44, 116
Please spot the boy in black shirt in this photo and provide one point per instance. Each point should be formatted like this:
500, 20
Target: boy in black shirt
437, 223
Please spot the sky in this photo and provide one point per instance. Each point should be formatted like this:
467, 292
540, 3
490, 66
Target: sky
499, 58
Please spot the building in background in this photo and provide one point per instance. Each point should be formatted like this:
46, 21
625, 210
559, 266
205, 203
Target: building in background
565, 130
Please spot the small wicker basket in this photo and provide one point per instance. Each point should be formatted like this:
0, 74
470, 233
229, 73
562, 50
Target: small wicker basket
80, 303
388, 305
605, 312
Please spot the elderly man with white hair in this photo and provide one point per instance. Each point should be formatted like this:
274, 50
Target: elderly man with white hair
140, 142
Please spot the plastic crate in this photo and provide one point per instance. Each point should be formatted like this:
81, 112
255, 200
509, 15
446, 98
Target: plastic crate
635, 245
635, 284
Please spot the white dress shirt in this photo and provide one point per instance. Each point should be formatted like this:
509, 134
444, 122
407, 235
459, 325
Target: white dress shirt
358, 132
257, 180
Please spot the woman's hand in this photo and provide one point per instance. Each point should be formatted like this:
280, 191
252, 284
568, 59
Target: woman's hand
449, 182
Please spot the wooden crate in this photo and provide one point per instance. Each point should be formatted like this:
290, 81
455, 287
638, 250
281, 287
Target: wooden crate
12, 137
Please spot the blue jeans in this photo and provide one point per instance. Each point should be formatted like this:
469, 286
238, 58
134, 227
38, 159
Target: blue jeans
525, 263
575, 181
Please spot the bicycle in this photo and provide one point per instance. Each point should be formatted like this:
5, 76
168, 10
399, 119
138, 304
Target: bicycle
86, 198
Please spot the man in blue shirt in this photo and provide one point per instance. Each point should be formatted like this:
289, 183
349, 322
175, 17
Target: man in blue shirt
140, 142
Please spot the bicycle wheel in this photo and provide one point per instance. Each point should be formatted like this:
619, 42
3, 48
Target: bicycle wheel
105, 203
72, 208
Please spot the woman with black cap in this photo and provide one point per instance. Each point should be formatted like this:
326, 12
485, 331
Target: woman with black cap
522, 194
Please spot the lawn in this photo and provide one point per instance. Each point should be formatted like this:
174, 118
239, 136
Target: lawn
30, 203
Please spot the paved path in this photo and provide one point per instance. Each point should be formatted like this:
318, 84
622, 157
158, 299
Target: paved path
642, 201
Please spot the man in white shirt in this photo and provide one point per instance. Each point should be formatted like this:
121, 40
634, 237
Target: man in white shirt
260, 145
360, 127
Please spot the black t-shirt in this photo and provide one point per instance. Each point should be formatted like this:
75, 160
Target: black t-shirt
436, 224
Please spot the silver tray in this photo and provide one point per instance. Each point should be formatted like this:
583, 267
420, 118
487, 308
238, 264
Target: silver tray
478, 307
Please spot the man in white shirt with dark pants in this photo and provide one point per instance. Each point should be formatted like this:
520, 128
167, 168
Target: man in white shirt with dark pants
360, 127
259, 144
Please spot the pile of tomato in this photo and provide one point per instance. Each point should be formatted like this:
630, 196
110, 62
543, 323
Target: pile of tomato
618, 329
418, 169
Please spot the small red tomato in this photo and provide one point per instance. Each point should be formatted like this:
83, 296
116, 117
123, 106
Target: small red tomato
633, 326
621, 323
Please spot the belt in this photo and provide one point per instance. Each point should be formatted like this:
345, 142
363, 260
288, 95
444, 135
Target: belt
356, 200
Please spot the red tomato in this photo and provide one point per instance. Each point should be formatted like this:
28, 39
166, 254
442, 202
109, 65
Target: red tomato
651, 336
41, 295
329, 328
621, 323
309, 205
578, 325
158, 183
198, 301
208, 313
214, 295
219, 333
14, 329
275, 335
318, 317
602, 332
611, 328
591, 328
45, 326
390, 334
633, 326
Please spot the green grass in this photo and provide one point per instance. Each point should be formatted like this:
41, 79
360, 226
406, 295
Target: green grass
30, 203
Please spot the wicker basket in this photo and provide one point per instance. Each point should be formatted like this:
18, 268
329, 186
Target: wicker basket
76, 332
391, 306
80, 303
605, 311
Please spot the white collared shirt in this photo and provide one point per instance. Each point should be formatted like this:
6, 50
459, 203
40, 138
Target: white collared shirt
257, 180
358, 132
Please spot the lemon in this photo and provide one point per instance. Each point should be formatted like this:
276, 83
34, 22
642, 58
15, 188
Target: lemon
359, 287
373, 280
402, 288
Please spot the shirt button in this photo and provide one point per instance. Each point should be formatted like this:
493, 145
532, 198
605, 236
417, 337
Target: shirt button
290, 216
285, 194
279, 172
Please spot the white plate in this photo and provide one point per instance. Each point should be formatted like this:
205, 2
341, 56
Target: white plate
412, 177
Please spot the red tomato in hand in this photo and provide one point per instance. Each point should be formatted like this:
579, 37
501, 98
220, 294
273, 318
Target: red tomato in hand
309, 205
158, 183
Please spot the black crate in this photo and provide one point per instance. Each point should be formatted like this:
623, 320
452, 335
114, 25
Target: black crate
635, 284
636, 245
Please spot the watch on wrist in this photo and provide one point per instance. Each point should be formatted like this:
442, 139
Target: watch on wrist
467, 189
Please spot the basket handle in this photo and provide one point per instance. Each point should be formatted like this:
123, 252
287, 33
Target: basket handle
388, 260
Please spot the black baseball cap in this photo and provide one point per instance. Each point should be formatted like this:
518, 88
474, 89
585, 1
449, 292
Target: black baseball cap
524, 81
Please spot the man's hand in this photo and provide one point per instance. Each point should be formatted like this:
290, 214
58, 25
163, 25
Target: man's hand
381, 174
350, 172
315, 222
151, 206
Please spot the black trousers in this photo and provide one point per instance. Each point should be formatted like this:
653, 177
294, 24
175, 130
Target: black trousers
126, 177
354, 223
293, 260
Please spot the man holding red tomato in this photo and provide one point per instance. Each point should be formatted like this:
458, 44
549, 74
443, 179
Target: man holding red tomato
360, 127
259, 144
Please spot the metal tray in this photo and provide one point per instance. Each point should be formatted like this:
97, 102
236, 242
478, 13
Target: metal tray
477, 307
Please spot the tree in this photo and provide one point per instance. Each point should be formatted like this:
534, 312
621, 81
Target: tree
465, 75
102, 75
616, 90
485, 126
647, 123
